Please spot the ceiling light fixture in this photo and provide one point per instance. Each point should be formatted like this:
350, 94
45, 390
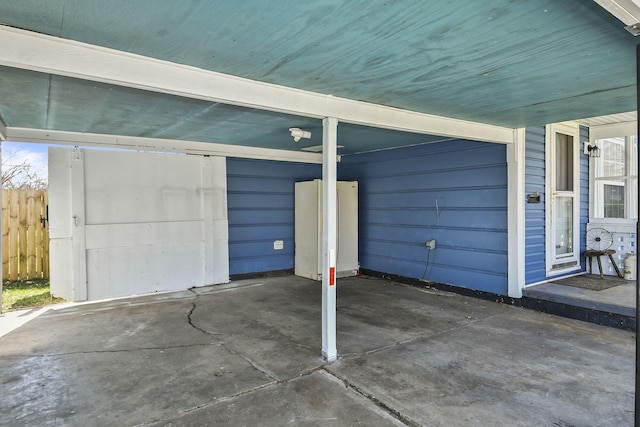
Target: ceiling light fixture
298, 133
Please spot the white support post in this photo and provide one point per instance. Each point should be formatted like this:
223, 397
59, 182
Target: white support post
329, 237
515, 214
1, 278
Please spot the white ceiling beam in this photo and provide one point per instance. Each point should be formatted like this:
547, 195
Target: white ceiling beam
3, 131
627, 11
15, 134
47, 54
611, 130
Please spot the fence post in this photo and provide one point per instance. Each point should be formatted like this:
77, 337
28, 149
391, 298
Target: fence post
5, 234
22, 235
32, 228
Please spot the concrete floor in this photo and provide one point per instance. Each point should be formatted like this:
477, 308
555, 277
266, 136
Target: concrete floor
249, 354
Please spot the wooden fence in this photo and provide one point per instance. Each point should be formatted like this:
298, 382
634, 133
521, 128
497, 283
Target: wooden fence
25, 234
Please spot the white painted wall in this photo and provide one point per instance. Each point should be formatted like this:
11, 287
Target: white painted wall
126, 223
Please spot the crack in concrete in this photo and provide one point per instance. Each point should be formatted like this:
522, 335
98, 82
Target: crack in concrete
122, 350
190, 314
379, 403
348, 356
392, 411
208, 404
257, 367
233, 396
276, 382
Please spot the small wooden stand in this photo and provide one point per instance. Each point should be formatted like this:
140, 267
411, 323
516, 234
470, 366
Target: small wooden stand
590, 253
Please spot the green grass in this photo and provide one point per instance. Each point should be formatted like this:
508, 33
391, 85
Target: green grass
26, 294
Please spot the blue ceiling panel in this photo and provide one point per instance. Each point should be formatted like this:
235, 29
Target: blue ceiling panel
502, 62
82, 106
24, 97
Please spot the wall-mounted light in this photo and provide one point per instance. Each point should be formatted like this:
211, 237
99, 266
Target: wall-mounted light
591, 149
298, 133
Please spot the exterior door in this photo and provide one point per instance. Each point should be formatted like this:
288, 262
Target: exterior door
563, 198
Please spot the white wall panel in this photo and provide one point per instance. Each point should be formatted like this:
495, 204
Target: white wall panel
61, 269
124, 187
151, 233
60, 224
216, 228
116, 272
59, 192
136, 223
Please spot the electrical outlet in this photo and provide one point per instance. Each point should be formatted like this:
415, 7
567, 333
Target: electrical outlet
431, 244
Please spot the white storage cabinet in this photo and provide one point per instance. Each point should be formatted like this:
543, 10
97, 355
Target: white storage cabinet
308, 229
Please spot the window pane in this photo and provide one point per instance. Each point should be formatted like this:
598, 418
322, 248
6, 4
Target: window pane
613, 157
564, 226
614, 200
564, 162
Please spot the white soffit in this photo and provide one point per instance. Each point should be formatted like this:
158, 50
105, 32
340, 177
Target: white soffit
47, 54
613, 125
627, 11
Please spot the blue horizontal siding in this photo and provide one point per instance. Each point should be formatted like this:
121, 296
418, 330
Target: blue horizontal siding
484, 218
584, 195
535, 217
452, 191
260, 203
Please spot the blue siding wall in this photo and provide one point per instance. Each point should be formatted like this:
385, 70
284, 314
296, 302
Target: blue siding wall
260, 202
454, 192
584, 195
535, 269
535, 252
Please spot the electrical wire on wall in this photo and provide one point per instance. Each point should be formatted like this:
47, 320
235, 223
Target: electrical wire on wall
429, 249
426, 264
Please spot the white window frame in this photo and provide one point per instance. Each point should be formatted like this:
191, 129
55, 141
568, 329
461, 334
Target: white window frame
572, 262
596, 201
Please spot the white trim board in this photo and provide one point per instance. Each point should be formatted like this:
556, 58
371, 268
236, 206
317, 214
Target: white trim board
3, 131
47, 54
15, 134
516, 215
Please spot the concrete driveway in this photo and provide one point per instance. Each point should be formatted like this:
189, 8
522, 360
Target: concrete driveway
248, 354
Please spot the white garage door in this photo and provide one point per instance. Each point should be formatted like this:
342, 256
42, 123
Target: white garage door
126, 223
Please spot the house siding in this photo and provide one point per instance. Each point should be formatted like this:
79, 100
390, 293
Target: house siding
535, 230
454, 192
260, 206
584, 195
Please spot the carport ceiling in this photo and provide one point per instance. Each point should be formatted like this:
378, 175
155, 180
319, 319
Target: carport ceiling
497, 62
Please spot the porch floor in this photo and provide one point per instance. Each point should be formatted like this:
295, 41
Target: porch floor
619, 300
